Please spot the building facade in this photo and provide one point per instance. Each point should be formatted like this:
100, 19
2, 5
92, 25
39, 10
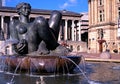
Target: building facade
70, 28
84, 26
104, 26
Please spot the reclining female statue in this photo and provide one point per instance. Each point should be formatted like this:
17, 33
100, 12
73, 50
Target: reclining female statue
38, 36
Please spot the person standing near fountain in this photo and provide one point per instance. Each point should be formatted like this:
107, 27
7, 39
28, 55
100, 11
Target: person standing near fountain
39, 35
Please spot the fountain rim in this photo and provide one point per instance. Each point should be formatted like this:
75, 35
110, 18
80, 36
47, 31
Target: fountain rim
41, 56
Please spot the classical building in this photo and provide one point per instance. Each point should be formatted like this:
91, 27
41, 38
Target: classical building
104, 26
70, 28
84, 27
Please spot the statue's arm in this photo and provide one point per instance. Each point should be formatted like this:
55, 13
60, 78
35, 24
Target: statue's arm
21, 46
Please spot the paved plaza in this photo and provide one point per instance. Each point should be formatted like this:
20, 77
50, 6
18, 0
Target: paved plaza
115, 57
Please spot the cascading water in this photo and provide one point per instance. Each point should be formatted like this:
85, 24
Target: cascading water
33, 66
77, 67
43, 62
3, 66
12, 79
82, 71
69, 77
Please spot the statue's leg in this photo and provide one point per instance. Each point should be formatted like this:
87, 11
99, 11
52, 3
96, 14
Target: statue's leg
45, 34
33, 38
54, 22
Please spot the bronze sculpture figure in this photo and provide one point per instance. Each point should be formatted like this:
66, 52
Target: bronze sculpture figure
40, 35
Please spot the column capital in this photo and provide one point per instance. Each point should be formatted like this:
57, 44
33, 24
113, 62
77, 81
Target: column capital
73, 19
66, 19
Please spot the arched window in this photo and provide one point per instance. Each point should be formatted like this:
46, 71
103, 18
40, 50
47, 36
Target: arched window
71, 47
101, 2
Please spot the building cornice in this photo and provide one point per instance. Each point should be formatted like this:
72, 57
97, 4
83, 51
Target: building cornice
103, 24
41, 11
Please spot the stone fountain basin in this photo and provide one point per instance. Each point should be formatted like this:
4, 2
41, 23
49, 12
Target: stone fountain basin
42, 64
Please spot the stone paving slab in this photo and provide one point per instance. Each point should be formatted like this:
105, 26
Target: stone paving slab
96, 57
115, 57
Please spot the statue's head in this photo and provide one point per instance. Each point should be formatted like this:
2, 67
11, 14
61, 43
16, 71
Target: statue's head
23, 8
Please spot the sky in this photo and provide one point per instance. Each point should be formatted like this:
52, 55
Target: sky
77, 6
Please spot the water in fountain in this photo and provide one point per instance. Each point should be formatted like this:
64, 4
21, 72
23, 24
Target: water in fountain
42, 80
56, 75
31, 66
3, 66
12, 79
76, 78
83, 73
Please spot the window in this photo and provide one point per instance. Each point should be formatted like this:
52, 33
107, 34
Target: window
118, 12
100, 2
71, 47
118, 1
100, 33
101, 15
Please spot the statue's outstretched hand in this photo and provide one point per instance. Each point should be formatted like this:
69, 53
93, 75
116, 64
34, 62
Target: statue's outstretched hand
21, 47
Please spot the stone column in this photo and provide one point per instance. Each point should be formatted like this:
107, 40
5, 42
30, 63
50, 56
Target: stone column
2, 23
66, 25
96, 11
60, 33
92, 13
73, 25
11, 18
75, 32
79, 30
89, 11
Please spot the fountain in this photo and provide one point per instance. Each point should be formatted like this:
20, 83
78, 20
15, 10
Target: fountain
36, 58
95, 73
42, 64
33, 46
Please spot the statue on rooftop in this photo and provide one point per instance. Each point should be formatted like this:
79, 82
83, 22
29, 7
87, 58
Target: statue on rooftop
39, 36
